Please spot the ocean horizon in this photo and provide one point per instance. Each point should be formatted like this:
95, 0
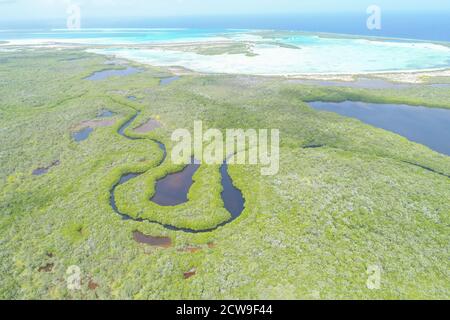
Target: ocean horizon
224, 155
256, 51
431, 26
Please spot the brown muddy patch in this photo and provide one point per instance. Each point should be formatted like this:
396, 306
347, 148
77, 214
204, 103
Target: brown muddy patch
150, 125
211, 245
190, 273
47, 268
83, 130
190, 249
161, 242
44, 170
92, 285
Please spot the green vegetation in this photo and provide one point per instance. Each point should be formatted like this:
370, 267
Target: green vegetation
309, 232
212, 49
437, 80
415, 96
283, 45
217, 48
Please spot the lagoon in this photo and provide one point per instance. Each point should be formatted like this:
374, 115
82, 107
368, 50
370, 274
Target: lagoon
105, 74
267, 52
427, 126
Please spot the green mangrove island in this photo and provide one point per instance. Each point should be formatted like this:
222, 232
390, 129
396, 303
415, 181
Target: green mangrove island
83, 153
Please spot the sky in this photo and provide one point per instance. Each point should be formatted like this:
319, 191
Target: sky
12, 10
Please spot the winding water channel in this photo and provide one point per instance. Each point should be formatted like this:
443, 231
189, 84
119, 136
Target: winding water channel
176, 186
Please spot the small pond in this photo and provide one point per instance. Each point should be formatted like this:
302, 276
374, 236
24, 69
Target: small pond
174, 188
105, 114
82, 134
169, 80
102, 75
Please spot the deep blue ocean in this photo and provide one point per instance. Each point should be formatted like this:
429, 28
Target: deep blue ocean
412, 25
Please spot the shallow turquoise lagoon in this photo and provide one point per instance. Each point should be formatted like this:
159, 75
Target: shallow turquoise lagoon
277, 53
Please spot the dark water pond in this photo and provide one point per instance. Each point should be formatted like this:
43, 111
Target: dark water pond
102, 75
105, 114
82, 134
173, 189
40, 171
427, 126
169, 80
231, 196
44, 170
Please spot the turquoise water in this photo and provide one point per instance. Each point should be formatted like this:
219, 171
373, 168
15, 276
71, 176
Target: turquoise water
410, 24
306, 53
106, 36
309, 54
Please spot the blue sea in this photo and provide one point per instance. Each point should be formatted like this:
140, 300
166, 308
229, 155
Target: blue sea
268, 53
411, 25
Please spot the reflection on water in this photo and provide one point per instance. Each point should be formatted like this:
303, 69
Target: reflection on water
102, 75
105, 114
82, 134
173, 189
231, 196
428, 126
